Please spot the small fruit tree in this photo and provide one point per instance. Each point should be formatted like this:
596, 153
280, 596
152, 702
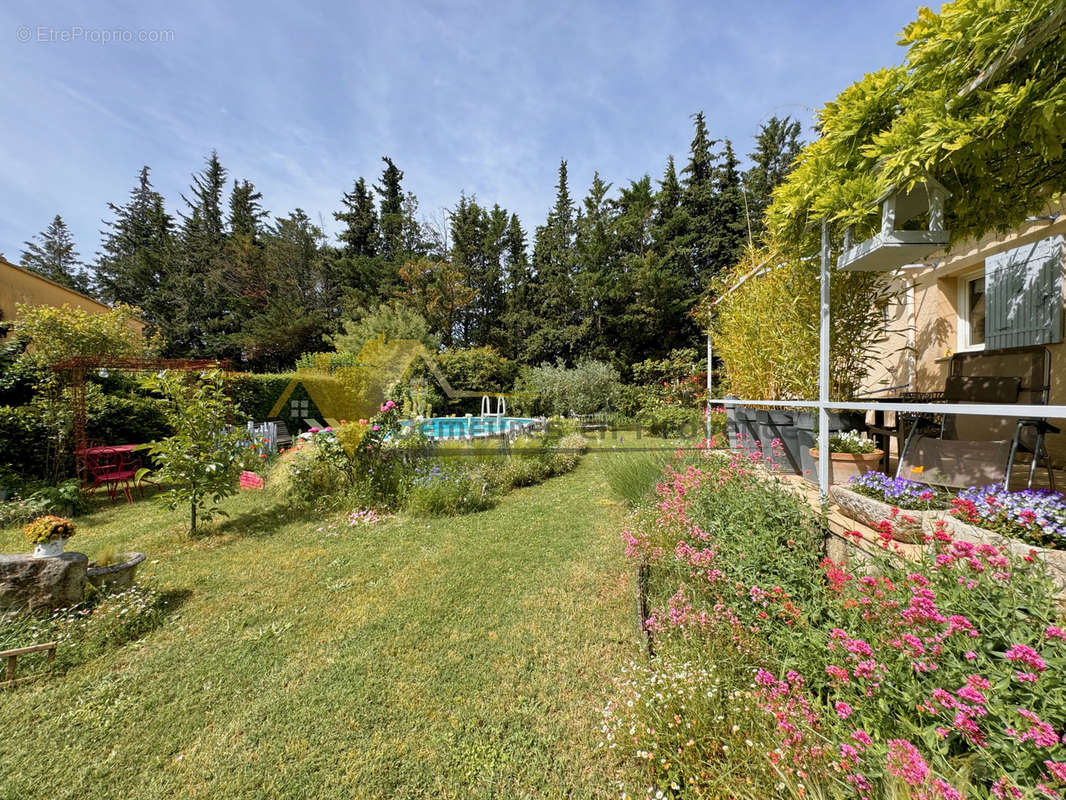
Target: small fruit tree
199, 464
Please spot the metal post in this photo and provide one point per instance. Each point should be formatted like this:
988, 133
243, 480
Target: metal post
709, 395
823, 370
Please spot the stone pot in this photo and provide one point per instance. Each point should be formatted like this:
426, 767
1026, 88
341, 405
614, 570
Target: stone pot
908, 526
115, 576
49, 549
845, 466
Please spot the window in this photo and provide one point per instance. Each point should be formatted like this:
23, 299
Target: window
300, 409
971, 323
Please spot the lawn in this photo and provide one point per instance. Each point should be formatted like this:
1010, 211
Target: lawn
455, 658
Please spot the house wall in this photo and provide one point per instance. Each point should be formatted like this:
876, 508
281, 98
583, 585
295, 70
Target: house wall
925, 310
18, 285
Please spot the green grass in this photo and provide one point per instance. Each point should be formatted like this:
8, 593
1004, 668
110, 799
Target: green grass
459, 657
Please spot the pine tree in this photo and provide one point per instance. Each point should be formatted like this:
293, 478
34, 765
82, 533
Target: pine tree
776, 147
137, 257
467, 227
52, 254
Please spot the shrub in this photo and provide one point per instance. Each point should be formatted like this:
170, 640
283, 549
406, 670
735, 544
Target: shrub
476, 369
671, 421
22, 430
125, 420
315, 474
565, 455
588, 388
520, 470
444, 492
633, 476
48, 529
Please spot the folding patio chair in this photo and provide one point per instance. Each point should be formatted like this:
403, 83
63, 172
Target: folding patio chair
965, 450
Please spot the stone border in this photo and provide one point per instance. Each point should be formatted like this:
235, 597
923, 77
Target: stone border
908, 527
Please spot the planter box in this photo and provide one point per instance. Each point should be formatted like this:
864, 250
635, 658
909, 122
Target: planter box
909, 526
845, 466
747, 428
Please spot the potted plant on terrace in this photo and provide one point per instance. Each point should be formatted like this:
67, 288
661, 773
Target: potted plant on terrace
851, 454
49, 535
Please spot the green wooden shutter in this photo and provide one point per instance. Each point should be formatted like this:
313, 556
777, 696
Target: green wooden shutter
1023, 295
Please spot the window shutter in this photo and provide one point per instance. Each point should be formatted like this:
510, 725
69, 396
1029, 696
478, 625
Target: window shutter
1023, 295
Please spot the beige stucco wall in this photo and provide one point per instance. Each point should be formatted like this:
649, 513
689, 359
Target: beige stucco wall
923, 320
22, 286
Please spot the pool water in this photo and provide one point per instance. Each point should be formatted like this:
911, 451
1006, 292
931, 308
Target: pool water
467, 427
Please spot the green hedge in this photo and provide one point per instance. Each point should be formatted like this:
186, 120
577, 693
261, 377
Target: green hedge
22, 441
256, 394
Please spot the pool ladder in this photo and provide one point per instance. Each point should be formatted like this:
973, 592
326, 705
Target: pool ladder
486, 406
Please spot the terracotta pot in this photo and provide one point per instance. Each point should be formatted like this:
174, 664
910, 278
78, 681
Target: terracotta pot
845, 466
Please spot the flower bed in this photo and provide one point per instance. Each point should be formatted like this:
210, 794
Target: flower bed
899, 492
1032, 515
934, 678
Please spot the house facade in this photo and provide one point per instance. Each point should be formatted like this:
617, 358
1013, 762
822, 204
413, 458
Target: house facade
18, 285
989, 295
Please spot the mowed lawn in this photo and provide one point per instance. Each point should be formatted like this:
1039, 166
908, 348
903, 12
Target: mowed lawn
449, 658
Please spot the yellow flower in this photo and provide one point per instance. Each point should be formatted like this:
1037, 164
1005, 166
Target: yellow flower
917, 470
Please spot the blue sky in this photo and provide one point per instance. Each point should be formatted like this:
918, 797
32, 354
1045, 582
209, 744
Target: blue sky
478, 97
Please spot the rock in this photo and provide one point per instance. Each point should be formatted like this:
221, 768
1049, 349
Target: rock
28, 582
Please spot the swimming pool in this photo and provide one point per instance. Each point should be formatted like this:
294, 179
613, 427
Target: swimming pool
473, 427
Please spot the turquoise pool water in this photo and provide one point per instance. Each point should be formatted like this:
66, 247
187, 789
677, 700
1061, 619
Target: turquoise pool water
466, 427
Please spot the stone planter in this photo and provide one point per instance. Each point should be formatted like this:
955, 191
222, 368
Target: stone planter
50, 549
909, 526
115, 576
845, 466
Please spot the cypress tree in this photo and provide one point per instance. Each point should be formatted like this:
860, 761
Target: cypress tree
776, 147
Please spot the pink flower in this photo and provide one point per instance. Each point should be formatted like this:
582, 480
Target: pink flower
969, 655
904, 761
1055, 632
862, 737
837, 673
1026, 655
843, 709
1057, 770
1026, 677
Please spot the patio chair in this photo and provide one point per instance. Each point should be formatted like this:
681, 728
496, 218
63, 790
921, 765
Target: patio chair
966, 450
284, 438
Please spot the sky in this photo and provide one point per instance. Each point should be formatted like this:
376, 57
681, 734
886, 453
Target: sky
481, 98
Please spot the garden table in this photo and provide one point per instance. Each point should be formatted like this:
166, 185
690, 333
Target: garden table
113, 466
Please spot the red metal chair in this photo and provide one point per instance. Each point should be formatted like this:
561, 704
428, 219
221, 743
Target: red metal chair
110, 470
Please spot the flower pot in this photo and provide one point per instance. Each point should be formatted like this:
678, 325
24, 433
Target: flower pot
908, 526
115, 576
49, 549
845, 466
807, 436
